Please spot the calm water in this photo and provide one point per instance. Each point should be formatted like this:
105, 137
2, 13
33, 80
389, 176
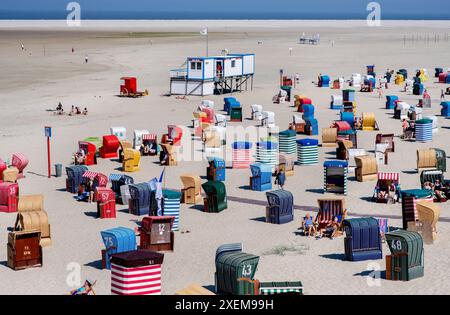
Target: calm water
147, 15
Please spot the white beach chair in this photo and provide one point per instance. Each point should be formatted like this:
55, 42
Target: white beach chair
119, 132
257, 112
208, 103
137, 140
221, 120
125, 194
435, 123
404, 109
380, 152
268, 119
337, 100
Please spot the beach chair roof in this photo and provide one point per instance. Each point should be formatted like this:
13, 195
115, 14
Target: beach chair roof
335, 163
409, 242
119, 239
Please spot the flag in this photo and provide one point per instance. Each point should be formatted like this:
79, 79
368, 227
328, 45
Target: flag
162, 175
204, 31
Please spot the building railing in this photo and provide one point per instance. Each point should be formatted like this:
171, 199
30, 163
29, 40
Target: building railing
178, 73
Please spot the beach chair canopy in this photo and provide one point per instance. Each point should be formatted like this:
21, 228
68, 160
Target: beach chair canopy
342, 125
282, 199
191, 181
19, 160
119, 132
215, 188
298, 119
417, 193
118, 240
232, 264
393, 177
363, 241
335, 164
267, 145
140, 198
217, 162
407, 242
258, 168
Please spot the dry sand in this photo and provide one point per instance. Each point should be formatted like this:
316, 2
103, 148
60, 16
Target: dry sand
47, 73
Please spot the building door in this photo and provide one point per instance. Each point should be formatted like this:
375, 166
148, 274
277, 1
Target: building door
219, 68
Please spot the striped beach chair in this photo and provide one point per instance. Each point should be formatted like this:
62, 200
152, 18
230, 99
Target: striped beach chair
328, 209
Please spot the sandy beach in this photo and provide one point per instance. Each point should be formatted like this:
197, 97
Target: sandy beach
47, 72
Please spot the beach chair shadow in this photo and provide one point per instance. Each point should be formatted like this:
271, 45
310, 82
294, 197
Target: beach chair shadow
259, 219
97, 264
245, 187
315, 190
334, 256
368, 199
409, 172
197, 207
91, 214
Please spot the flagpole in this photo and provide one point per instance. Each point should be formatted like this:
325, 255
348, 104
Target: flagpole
207, 34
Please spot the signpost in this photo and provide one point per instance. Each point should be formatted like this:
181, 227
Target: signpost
48, 135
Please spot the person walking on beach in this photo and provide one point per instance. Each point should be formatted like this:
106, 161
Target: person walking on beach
442, 95
22, 46
380, 91
86, 59
280, 179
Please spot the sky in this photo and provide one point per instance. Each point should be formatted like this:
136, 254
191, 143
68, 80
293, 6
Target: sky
239, 9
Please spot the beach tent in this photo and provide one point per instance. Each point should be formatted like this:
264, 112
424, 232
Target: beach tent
324, 81
131, 160
74, 177
173, 136
286, 163
230, 102
355, 80
369, 122
191, 191
221, 120
409, 200
267, 153
428, 216
401, 110
3, 166
348, 117
216, 169
216, 196
90, 151
418, 89
20, 161
23, 250
242, 155
261, 178
139, 204
128, 268
257, 112
268, 119
390, 101
348, 95
362, 240
156, 233
387, 189
119, 132
106, 203
117, 181
337, 102
298, 123
117, 240
426, 159
124, 145
137, 140
406, 261
424, 130
34, 220
168, 155
171, 206
110, 147
335, 176
445, 110
437, 72
280, 208
231, 265
366, 168
207, 103
308, 151
287, 142
329, 137
328, 209
9, 197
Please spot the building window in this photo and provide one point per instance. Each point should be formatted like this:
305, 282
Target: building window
193, 64
199, 65
233, 63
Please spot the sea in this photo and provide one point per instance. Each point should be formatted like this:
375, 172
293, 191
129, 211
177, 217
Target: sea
214, 15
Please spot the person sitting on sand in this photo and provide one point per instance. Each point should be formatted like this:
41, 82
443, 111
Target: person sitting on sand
330, 229
72, 111
85, 111
77, 110
59, 109
308, 225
